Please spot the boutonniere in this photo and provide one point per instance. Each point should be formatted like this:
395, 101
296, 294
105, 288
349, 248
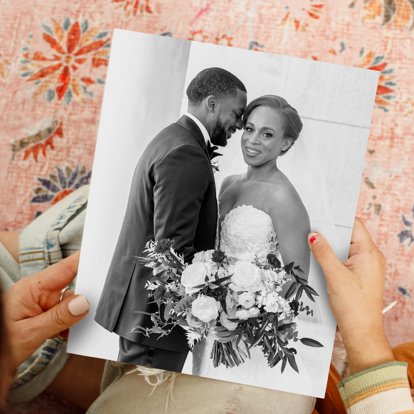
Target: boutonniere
212, 153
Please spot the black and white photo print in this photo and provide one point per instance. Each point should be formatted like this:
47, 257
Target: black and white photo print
212, 166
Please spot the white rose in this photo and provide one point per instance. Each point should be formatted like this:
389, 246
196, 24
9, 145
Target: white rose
193, 275
253, 312
246, 276
211, 269
203, 256
259, 299
247, 299
205, 308
192, 321
224, 320
274, 303
221, 273
242, 314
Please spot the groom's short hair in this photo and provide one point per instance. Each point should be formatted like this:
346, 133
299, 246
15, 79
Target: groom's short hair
213, 81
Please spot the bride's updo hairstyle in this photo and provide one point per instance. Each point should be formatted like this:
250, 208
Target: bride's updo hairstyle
291, 120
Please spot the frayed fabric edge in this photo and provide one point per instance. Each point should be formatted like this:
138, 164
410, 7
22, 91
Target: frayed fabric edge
156, 377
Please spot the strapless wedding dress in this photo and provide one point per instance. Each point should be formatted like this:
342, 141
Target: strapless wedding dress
246, 233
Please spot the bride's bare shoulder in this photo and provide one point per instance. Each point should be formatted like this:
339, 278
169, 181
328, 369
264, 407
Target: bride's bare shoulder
284, 194
229, 181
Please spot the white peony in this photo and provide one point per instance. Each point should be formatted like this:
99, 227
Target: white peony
253, 312
224, 320
243, 314
246, 276
203, 256
211, 269
193, 275
274, 303
205, 308
247, 299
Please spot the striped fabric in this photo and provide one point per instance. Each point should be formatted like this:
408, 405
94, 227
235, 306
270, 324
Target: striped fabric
382, 389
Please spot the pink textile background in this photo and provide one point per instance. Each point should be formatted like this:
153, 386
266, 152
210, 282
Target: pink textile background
53, 60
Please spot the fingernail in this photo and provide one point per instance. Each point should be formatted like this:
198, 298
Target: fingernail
79, 305
313, 238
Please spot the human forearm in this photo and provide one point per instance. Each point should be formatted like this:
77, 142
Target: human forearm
10, 241
366, 348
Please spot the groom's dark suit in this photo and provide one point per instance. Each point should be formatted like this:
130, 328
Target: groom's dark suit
172, 196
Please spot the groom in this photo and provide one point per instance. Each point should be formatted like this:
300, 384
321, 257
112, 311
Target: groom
172, 196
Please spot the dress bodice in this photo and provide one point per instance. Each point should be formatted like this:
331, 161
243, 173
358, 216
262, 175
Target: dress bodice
247, 232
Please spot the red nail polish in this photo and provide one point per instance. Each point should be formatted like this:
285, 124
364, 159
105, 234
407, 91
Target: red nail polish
313, 238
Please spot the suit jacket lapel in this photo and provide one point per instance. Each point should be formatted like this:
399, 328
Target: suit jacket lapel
191, 126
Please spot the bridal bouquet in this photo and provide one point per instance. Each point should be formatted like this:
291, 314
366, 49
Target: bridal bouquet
188, 296
243, 303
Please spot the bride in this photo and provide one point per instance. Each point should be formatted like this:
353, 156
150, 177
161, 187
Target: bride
261, 213
264, 196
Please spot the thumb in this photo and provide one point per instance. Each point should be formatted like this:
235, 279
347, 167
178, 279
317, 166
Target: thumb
62, 316
324, 255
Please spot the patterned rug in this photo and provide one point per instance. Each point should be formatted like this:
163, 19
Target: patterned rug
53, 60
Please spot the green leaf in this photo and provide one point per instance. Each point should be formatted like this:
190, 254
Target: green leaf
290, 291
267, 343
226, 334
254, 322
292, 362
258, 337
183, 304
301, 280
299, 293
288, 268
167, 310
311, 290
311, 342
284, 363
275, 325
247, 349
310, 296
285, 326
199, 286
275, 359
224, 305
222, 279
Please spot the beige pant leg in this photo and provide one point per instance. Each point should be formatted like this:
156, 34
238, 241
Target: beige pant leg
129, 393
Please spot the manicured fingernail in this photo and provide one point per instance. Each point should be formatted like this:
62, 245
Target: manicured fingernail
78, 305
313, 238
